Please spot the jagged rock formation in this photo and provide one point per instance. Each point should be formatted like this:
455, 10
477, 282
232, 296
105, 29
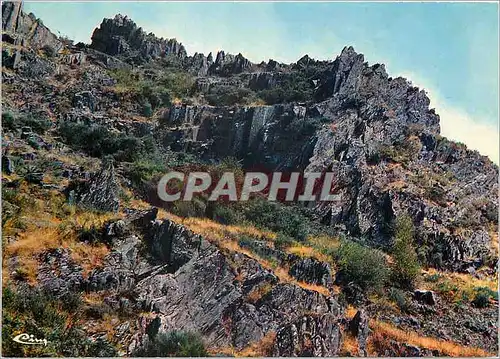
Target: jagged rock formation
366, 121
121, 36
101, 191
309, 337
25, 29
312, 271
190, 284
376, 133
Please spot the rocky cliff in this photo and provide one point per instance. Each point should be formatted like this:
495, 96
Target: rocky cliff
88, 129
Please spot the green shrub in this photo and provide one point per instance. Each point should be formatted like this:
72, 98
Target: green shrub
401, 152
179, 84
49, 51
482, 296
38, 123
229, 95
143, 170
294, 87
282, 241
158, 93
147, 109
98, 141
8, 120
361, 265
406, 268
186, 209
173, 344
37, 312
399, 297
278, 218
433, 278
226, 213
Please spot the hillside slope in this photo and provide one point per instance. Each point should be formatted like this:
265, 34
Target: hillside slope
87, 131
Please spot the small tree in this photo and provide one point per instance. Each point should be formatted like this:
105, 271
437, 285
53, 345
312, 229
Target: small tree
406, 267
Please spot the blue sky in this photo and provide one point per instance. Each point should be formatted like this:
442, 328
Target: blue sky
450, 49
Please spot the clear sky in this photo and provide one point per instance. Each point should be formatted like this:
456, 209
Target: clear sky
450, 49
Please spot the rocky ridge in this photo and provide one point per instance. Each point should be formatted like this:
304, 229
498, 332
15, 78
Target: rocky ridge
375, 132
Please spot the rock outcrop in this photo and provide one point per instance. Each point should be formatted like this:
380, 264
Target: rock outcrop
309, 337
25, 29
377, 134
121, 36
101, 191
190, 284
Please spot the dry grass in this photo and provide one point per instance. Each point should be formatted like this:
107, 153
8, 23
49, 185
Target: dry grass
106, 325
262, 348
212, 229
93, 298
350, 312
89, 257
35, 241
349, 345
465, 283
50, 224
258, 292
494, 241
304, 251
314, 287
447, 348
323, 244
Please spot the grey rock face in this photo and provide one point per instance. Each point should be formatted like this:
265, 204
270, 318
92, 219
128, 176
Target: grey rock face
101, 191
190, 284
27, 63
172, 244
276, 137
26, 28
84, 100
309, 337
312, 271
227, 64
58, 273
121, 36
360, 329
7, 165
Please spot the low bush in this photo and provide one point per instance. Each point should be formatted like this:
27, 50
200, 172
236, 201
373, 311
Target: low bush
173, 344
98, 141
399, 297
361, 265
38, 123
294, 87
226, 213
278, 218
41, 314
229, 95
283, 241
144, 169
482, 296
49, 51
